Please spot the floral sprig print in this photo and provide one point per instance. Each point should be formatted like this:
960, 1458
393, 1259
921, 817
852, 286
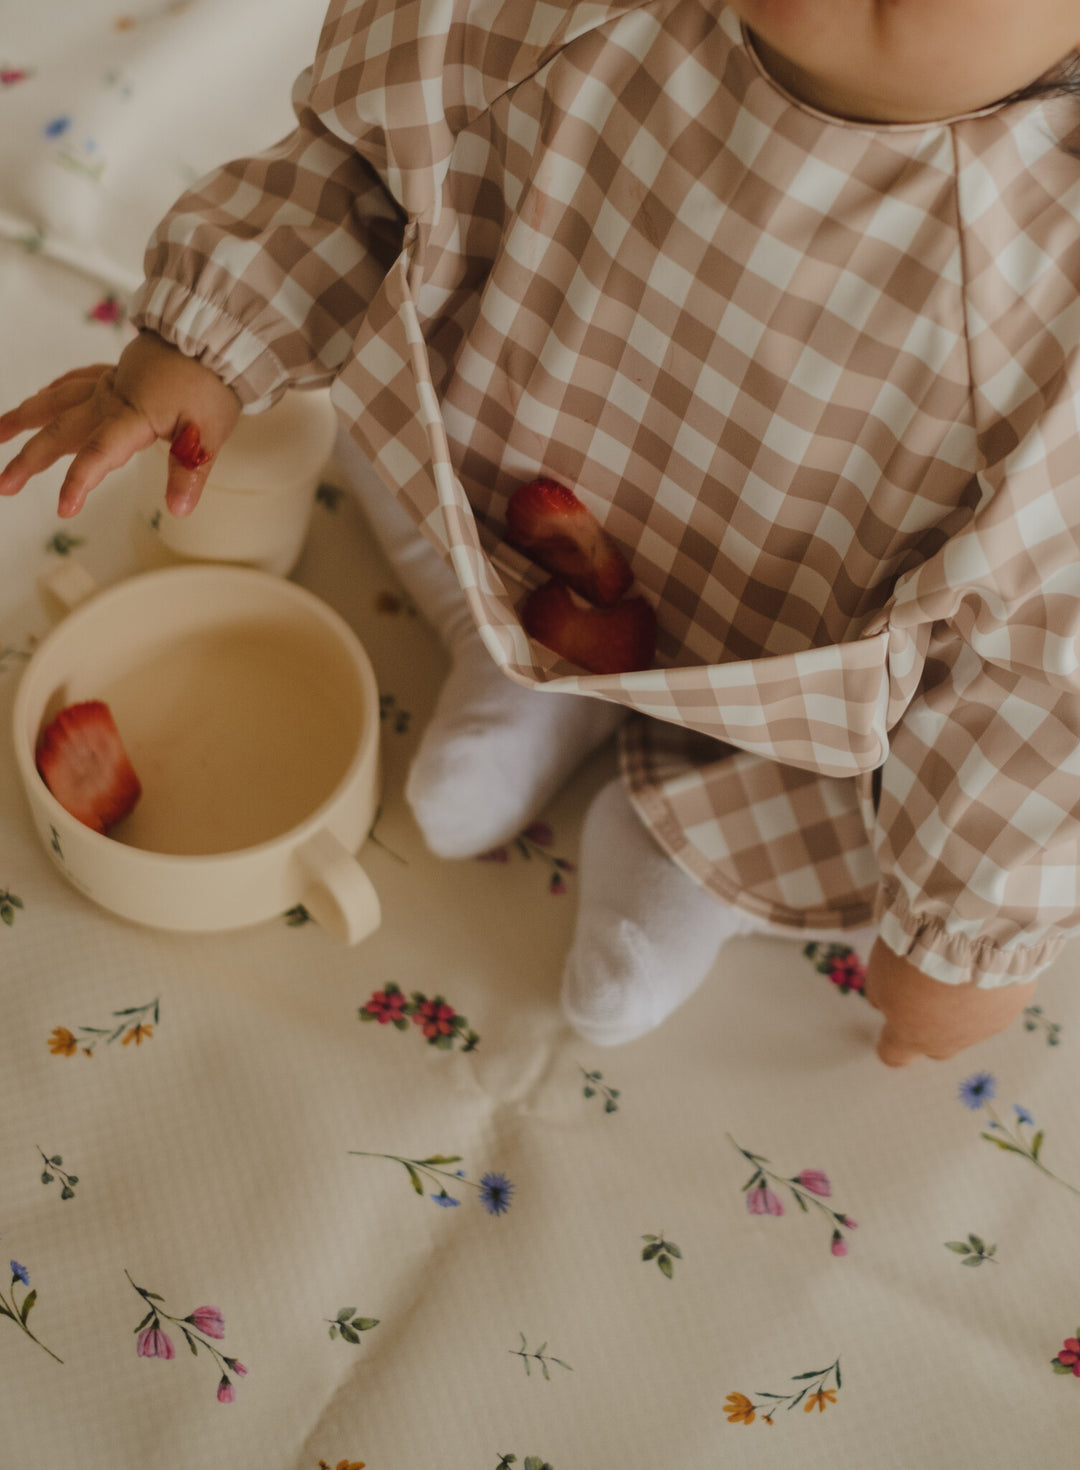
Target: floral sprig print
440, 1024
64, 544
390, 712
541, 1356
197, 1328
8, 654
743, 1410
842, 965
10, 75
974, 1250
530, 843
110, 311
495, 1190
531, 1462
9, 902
1035, 1020
349, 1326
343, 1465
595, 1085
53, 1170
977, 1092
663, 1252
19, 1311
808, 1187
136, 1024
1068, 1357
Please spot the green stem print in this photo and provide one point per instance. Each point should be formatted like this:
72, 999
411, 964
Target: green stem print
974, 1250
135, 1024
200, 1324
19, 1311
663, 1252
1035, 1020
53, 1170
531, 843
348, 1326
9, 902
595, 1084
814, 1394
495, 1189
541, 1356
977, 1093
808, 1187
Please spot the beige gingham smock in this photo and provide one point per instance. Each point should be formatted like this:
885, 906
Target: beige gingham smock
818, 379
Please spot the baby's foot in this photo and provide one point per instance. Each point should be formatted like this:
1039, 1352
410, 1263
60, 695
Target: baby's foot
647, 935
494, 754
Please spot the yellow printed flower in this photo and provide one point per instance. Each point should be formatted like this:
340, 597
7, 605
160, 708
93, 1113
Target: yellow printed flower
62, 1043
739, 1409
137, 1033
823, 1396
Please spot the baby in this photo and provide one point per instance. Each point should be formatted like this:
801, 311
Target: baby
785, 292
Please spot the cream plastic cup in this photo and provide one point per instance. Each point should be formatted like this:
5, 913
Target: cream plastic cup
256, 505
250, 712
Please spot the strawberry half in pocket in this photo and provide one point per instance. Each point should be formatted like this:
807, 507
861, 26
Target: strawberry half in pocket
83, 762
550, 524
604, 640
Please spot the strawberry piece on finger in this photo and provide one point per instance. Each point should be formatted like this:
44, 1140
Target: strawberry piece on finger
604, 640
557, 531
83, 762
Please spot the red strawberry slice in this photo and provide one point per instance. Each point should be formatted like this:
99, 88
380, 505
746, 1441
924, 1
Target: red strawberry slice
84, 764
550, 523
604, 640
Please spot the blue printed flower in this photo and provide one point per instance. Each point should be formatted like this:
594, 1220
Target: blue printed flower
495, 1192
444, 1199
20, 1273
976, 1090
57, 127
1022, 1114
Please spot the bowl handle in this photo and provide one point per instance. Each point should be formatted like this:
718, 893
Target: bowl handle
340, 896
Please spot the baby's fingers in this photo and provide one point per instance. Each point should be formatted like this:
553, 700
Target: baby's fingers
109, 445
49, 403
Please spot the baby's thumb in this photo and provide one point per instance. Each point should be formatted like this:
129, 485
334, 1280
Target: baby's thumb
190, 461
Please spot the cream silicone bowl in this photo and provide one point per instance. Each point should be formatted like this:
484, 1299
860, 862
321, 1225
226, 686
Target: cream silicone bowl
250, 712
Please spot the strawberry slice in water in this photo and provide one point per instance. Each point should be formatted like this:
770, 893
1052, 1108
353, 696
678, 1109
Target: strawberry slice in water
604, 640
551, 525
83, 763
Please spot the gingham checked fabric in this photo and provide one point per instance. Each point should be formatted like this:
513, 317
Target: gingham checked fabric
817, 378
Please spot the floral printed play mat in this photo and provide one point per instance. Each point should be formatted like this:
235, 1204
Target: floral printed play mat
270, 1203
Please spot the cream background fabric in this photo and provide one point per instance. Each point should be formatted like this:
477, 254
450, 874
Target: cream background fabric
215, 1158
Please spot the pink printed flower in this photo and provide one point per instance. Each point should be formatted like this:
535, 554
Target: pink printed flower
849, 1223
1070, 1355
848, 971
436, 1018
540, 833
11, 74
839, 1245
109, 310
496, 855
226, 1394
763, 1201
815, 1181
209, 1321
153, 1343
237, 1367
386, 1006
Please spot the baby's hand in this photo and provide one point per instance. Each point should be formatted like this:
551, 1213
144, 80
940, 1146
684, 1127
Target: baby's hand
103, 415
925, 1017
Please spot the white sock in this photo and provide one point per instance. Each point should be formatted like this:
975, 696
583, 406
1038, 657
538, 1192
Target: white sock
493, 753
647, 934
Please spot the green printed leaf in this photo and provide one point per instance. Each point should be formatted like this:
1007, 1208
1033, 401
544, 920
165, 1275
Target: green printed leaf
651, 1251
961, 1247
145, 1321
1036, 1144
442, 1159
1009, 1148
665, 1265
346, 1313
972, 1261
415, 1177
28, 1301
675, 1251
365, 1324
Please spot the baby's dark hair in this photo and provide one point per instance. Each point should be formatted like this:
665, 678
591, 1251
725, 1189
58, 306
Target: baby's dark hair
1064, 82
